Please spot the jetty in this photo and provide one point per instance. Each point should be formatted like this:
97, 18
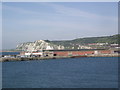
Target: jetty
54, 57
60, 54
32, 58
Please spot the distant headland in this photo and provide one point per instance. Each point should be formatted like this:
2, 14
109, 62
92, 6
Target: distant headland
107, 46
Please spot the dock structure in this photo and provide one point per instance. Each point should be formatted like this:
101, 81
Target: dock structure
55, 54
77, 52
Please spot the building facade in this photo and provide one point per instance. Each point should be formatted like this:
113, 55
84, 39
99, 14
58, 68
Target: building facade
76, 52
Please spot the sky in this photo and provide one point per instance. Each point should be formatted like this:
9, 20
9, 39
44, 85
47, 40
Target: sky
31, 21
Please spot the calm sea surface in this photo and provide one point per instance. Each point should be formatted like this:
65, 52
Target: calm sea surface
94, 72
9, 53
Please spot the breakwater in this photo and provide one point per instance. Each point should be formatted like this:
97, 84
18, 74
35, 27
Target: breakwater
55, 57
32, 58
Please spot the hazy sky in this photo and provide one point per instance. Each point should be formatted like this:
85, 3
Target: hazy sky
24, 22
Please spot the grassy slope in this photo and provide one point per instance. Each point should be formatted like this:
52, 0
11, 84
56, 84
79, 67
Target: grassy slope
83, 41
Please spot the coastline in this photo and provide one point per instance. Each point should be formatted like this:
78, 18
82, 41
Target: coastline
55, 57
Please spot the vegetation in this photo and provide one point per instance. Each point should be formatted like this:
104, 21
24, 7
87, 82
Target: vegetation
79, 43
106, 39
84, 41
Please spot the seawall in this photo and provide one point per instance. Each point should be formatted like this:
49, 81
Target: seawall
55, 57
31, 58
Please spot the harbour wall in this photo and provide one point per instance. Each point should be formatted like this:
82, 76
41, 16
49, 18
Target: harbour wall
56, 57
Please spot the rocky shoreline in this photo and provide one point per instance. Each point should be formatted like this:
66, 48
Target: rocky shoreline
55, 57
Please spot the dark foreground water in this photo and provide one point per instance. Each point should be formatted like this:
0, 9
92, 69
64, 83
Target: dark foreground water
95, 72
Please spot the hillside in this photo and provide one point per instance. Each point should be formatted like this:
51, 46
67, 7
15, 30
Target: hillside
38, 45
85, 41
80, 43
108, 39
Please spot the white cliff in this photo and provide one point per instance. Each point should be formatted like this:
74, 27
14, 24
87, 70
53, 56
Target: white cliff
38, 45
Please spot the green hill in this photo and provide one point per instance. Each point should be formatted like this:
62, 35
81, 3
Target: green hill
84, 41
106, 39
79, 43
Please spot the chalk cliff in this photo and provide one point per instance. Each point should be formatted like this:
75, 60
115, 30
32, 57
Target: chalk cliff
38, 45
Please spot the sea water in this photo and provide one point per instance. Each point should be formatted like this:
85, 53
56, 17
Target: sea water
86, 72
9, 53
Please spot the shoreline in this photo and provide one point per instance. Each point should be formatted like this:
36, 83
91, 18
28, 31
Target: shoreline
54, 57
